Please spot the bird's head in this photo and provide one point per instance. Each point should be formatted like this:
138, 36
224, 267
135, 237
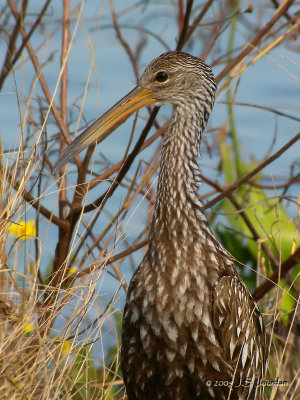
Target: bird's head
173, 78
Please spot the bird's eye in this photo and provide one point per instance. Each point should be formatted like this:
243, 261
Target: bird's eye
161, 76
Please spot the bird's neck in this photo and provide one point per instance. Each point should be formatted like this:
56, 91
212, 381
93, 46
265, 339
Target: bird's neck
178, 221
179, 172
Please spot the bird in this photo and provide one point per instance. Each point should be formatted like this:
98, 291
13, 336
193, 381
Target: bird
191, 329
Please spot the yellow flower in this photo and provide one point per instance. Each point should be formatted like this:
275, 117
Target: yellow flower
72, 270
66, 347
24, 230
28, 326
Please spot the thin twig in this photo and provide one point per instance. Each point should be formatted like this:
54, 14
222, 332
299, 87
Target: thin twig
252, 173
34, 202
273, 280
184, 31
123, 41
247, 221
9, 61
64, 103
195, 24
254, 42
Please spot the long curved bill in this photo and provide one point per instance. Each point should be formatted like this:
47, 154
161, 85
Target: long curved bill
103, 126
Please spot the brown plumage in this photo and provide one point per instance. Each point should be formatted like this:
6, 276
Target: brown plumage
191, 329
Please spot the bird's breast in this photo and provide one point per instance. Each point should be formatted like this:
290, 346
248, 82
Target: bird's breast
170, 320
174, 306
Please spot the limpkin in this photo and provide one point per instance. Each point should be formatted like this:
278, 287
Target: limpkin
191, 329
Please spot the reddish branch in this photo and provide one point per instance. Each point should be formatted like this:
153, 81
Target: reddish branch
8, 63
40, 75
64, 236
13, 55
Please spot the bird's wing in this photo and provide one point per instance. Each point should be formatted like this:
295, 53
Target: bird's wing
240, 329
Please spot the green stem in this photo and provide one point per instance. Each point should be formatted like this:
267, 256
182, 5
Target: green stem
232, 124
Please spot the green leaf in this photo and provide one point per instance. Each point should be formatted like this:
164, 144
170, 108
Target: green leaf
268, 217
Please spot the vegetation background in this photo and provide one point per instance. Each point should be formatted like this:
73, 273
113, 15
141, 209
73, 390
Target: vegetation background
69, 243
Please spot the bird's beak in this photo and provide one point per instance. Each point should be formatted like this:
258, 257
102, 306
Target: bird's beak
103, 126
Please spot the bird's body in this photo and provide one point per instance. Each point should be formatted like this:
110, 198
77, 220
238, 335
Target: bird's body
191, 330
187, 313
